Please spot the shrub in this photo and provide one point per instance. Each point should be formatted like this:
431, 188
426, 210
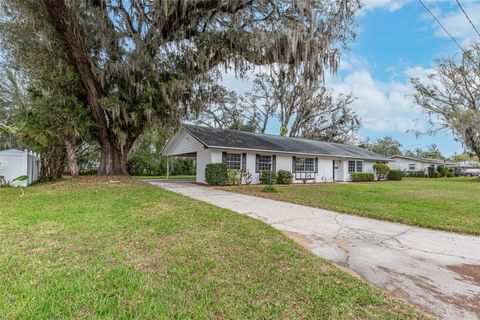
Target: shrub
442, 170
284, 177
216, 173
233, 177
362, 176
431, 172
395, 175
416, 174
266, 175
436, 174
381, 169
450, 174
246, 177
270, 189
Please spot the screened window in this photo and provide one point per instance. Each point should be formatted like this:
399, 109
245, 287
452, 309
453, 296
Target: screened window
264, 163
411, 166
304, 165
355, 166
359, 166
233, 161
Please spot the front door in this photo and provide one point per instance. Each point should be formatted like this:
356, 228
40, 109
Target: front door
337, 170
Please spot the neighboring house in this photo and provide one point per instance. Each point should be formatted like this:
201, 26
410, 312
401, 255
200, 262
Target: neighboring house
15, 163
308, 160
405, 163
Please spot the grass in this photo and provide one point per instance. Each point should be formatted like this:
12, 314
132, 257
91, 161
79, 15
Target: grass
451, 204
117, 249
164, 177
270, 189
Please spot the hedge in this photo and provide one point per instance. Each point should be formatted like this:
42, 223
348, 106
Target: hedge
395, 175
265, 177
284, 177
431, 172
415, 174
233, 177
216, 173
442, 170
381, 169
362, 176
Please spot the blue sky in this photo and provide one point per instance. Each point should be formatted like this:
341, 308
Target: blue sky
396, 39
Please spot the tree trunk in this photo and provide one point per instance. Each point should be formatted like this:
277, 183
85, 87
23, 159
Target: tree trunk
114, 156
53, 163
71, 156
111, 162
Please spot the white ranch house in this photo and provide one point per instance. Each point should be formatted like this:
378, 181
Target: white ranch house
410, 164
308, 160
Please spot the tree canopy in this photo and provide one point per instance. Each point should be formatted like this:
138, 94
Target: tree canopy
144, 63
451, 96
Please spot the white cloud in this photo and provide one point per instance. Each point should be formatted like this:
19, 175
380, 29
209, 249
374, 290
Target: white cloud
390, 5
383, 106
456, 23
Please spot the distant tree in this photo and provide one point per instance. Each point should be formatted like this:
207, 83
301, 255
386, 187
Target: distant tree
143, 62
53, 117
464, 156
432, 152
304, 108
386, 146
451, 96
11, 97
226, 113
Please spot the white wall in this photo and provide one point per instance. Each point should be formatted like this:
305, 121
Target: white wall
283, 162
203, 158
403, 165
182, 143
15, 163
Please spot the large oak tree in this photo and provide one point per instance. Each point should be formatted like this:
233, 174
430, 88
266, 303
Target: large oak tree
142, 62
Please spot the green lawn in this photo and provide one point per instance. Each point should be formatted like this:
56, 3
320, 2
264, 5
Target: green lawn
114, 248
451, 204
164, 177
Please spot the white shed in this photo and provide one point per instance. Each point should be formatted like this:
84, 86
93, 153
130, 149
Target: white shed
15, 163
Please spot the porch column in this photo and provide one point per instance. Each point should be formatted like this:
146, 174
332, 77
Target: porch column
168, 168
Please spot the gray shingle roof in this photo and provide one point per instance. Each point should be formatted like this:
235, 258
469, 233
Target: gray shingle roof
230, 139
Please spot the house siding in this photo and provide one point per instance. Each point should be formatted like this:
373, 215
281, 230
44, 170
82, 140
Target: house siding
182, 143
403, 165
283, 162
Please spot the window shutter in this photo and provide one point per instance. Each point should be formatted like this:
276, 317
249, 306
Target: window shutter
224, 157
244, 162
293, 164
316, 165
256, 162
274, 163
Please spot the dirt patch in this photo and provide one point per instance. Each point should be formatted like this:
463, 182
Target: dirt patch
299, 238
469, 272
459, 302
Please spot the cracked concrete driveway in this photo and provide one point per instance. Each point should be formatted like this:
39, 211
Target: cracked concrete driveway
437, 271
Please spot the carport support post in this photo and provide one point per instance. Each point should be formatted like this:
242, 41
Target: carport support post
168, 169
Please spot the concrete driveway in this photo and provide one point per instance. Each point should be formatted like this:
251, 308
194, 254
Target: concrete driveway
437, 271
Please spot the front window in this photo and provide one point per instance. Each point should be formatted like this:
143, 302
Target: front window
304, 165
264, 163
355, 166
411, 166
233, 161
